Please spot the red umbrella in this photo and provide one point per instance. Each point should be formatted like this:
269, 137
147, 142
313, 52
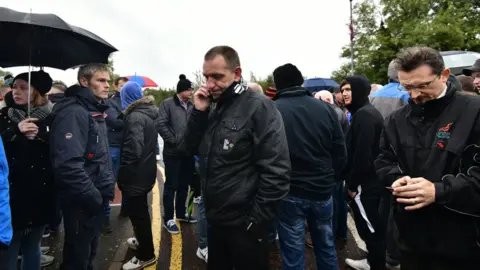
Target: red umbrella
142, 80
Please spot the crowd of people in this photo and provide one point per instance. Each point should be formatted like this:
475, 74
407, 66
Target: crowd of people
263, 165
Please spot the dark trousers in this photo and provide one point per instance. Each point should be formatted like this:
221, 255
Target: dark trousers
236, 248
375, 241
178, 173
393, 253
195, 184
142, 226
81, 238
417, 261
340, 212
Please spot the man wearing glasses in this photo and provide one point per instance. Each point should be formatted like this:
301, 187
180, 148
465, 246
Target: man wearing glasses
430, 159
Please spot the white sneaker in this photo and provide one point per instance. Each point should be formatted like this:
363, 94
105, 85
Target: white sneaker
203, 254
136, 264
197, 200
358, 264
46, 260
44, 250
132, 243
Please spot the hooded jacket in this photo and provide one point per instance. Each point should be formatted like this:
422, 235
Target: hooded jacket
362, 137
138, 162
439, 141
79, 150
6, 231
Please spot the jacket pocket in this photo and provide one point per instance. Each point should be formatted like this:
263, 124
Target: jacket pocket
234, 141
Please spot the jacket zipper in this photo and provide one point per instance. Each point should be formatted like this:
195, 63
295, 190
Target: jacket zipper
395, 153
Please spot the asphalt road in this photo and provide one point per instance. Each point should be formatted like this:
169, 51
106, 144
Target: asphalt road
174, 251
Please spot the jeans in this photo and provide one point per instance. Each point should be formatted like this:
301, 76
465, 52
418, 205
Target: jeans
142, 226
28, 241
293, 213
178, 173
82, 232
115, 155
202, 225
340, 212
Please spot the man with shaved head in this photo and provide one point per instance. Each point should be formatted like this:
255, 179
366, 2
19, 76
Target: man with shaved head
255, 87
325, 96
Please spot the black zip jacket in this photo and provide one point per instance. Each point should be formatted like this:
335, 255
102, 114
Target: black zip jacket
244, 160
316, 143
362, 138
173, 124
439, 142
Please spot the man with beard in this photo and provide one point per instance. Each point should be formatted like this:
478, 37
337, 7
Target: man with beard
430, 158
364, 187
244, 162
81, 163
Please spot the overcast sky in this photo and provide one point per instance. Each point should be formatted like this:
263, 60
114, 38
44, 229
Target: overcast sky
162, 39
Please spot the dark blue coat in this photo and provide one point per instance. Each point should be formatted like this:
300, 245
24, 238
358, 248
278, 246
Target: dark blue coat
79, 150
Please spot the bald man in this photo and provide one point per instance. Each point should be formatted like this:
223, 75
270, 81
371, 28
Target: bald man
325, 96
255, 87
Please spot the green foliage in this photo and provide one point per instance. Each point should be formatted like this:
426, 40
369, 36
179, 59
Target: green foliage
113, 75
382, 30
264, 82
4, 73
159, 94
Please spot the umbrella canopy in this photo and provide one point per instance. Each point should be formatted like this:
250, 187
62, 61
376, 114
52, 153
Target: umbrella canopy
456, 61
318, 84
143, 81
45, 40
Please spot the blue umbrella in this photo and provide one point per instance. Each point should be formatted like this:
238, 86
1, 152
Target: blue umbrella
318, 84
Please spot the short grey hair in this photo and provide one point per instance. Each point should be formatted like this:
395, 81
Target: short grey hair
393, 68
87, 71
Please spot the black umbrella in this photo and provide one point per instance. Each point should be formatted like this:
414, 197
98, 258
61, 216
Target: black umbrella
45, 40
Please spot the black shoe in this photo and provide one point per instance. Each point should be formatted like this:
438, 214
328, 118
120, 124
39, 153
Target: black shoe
107, 228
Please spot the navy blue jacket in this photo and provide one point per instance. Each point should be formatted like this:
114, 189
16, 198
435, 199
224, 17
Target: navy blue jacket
114, 124
315, 141
79, 149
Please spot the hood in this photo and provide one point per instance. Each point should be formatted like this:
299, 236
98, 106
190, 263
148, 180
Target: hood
84, 97
54, 98
360, 91
144, 105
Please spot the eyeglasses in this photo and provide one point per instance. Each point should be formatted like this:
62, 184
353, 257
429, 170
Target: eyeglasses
419, 87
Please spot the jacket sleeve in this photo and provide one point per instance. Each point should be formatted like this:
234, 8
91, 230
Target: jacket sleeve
163, 128
461, 192
5, 214
363, 141
386, 164
339, 150
133, 140
68, 143
272, 159
112, 120
196, 126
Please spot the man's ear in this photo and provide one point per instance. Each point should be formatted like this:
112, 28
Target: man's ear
238, 73
83, 82
445, 74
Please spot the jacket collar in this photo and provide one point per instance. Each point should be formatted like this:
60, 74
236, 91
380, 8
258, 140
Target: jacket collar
292, 92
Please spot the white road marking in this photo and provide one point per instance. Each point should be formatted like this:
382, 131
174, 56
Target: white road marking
353, 230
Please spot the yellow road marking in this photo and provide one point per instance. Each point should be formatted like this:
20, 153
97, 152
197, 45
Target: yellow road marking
156, 221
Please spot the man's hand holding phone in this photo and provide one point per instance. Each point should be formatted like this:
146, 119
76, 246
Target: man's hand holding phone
201, 98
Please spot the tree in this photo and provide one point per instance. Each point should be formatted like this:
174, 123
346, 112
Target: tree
199, 79
113, 75
159, 95
4, 73
265, 83
382, 30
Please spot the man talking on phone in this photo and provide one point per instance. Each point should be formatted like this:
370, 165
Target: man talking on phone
244, 162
